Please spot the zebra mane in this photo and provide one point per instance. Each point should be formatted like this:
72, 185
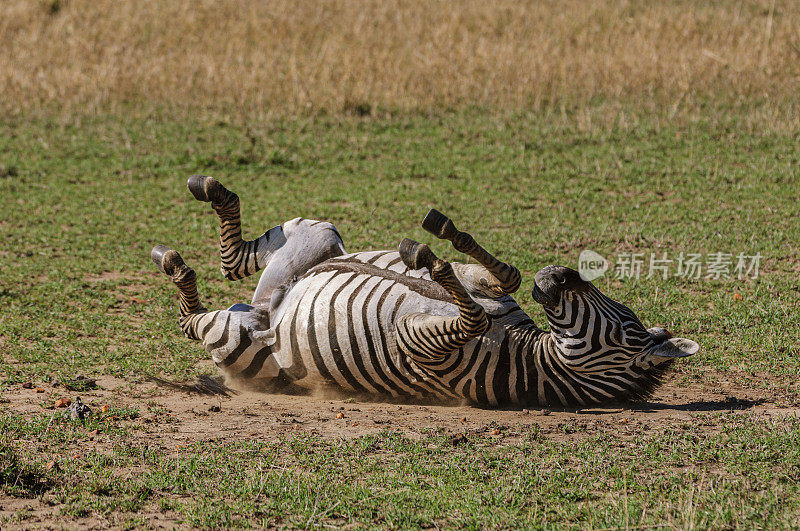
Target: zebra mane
648, 382
638, 389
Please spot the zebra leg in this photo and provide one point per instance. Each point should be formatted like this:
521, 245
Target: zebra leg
284, 252
192, 313
240, 258
430, 339
238, 340
506, 277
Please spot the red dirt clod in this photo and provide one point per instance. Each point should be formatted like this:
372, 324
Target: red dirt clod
63, 402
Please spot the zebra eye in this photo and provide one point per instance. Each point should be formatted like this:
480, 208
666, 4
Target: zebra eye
561, 279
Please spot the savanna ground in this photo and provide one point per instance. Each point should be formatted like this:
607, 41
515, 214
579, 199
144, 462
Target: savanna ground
544, 129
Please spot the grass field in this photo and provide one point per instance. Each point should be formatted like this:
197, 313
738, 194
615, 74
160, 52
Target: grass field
87, 200
544, 130
283, 58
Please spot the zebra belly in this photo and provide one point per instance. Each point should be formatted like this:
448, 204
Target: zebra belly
339, 325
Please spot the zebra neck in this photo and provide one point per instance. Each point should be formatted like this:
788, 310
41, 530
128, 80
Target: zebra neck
551, 381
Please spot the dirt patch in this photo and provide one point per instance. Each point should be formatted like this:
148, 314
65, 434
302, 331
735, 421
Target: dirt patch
25, 513
110, 276
171, 419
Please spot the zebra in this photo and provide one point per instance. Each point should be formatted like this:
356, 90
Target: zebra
406, 323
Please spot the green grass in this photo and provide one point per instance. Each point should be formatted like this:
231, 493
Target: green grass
93, 196
743, 474
85, 199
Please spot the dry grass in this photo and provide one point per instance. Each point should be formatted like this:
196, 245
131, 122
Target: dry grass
290, 57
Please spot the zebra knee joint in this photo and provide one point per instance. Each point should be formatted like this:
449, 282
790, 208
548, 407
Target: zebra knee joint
506, 277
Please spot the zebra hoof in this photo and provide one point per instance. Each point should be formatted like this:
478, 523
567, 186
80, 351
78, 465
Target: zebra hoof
206, 188
416, 255
439, 225
167, 260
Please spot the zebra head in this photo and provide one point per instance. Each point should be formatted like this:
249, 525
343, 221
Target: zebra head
593, 333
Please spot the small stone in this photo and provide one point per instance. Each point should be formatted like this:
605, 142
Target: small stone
105, 408
215, 409
526, 412
39, 390
546, 412
63, 402
52, 465
27, 385
94, 433
340, 415
495, 432
464, 419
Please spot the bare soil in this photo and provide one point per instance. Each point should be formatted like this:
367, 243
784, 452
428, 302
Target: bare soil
171, 418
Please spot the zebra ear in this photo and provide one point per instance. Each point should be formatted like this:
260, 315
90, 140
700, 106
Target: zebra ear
674, 347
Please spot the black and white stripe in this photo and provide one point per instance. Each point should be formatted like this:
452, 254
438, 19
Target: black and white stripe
409, 324
341, 320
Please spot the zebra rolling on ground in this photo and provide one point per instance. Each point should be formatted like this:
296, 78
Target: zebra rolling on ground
406, 323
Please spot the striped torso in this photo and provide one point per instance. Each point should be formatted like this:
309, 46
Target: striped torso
367, 323
337, 325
